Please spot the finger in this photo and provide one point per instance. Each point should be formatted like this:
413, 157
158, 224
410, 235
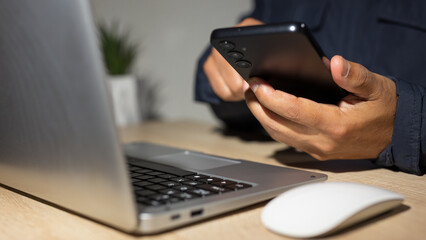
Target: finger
249, 22
280, 129
283, 130
296, 109
355, 78
216, 80
326, 62
231, 78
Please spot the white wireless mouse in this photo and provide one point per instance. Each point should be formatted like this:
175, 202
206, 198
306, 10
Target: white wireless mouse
319, 209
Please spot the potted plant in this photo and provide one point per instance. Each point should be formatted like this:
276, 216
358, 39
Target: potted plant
119, 54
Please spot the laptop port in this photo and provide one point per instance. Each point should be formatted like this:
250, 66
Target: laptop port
196, 213
175, 217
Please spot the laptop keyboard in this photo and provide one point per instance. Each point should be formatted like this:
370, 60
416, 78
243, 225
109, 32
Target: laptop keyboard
156, 184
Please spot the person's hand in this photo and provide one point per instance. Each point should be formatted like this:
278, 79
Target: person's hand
225, 81
359, 127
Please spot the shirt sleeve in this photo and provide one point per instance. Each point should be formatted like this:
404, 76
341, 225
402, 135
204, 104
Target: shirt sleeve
407, 152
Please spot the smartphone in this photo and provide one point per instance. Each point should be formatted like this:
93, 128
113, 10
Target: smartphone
286, 55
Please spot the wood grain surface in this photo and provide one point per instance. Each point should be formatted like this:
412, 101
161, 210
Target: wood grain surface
22, 217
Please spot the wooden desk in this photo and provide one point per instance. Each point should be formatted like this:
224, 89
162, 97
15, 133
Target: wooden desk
24, 218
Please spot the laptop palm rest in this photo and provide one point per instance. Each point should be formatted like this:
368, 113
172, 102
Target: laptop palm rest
193, 161
176, 157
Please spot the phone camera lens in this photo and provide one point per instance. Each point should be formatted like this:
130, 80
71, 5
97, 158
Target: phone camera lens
226, 45
235, 55
243, 64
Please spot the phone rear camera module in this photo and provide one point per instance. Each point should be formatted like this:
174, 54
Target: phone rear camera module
243, 64
226, 45
235, 55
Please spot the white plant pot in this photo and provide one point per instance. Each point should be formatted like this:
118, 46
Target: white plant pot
125, 99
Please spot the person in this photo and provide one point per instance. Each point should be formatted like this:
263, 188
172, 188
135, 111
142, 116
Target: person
378, 52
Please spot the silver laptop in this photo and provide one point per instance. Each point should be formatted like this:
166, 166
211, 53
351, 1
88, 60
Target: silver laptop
59, 142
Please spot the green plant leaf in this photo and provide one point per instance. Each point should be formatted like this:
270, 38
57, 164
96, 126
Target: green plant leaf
119, 52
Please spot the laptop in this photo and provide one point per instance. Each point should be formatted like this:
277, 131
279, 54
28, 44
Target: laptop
59, 142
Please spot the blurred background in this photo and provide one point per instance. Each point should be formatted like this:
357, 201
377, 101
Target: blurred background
170, 35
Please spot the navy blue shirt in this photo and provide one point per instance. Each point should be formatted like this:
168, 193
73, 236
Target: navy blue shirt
386, 36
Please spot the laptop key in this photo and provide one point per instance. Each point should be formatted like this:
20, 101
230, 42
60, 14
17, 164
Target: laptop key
142, 170
223, 183
143, 177
192, 183
132, 168
210, 180
142, 199
197, 176
135, 174
167, 176
135, 180
183, 188
154, 173
187, 196
156, 180
169, 191
155, 187
160, 197
170, 184
213, 188
237, 186
179, 179
144, 192
154, 203
142, 183
202, 192
174, 200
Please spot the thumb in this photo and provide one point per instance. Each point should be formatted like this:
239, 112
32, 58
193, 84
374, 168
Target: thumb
249, 22
354, 78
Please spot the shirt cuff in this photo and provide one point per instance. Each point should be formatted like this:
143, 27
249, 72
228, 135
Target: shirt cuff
405, 150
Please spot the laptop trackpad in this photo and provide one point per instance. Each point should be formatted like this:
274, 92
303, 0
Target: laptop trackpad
193, 161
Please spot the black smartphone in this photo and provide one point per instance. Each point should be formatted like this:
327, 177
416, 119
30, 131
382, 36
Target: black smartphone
286, 55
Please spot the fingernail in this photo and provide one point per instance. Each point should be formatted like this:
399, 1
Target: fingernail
254, 84
246, 86
346, 69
